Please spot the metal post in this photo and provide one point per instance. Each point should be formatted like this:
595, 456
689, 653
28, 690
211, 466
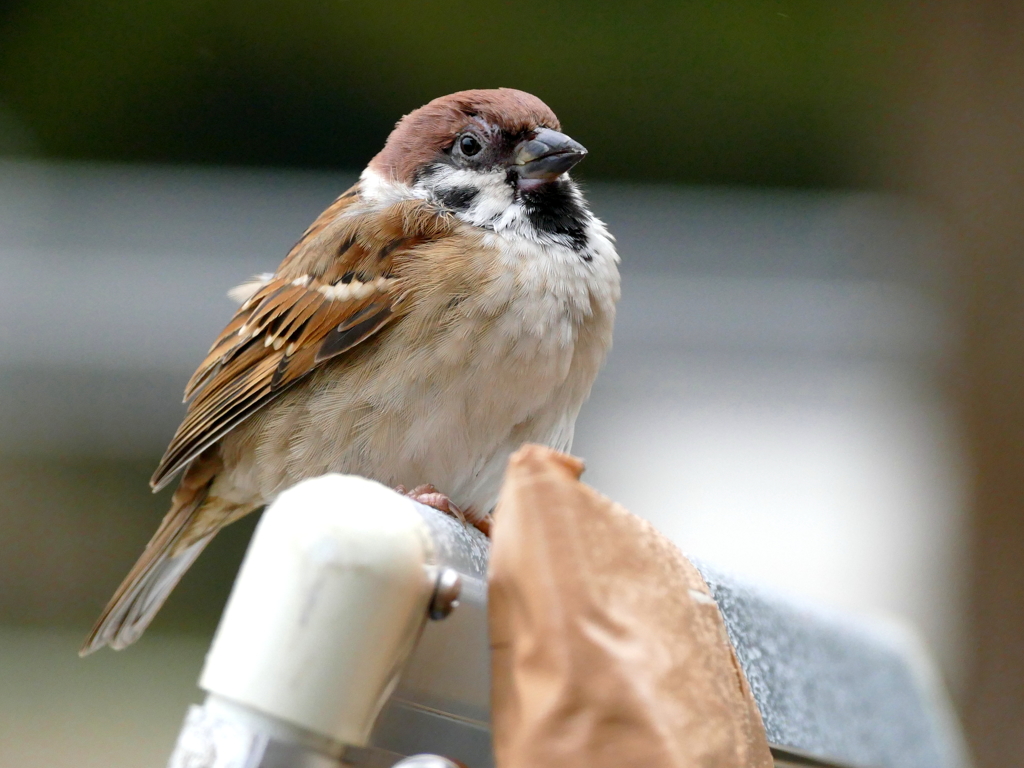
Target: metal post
335, 591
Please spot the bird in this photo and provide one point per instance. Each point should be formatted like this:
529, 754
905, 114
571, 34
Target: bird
454, 304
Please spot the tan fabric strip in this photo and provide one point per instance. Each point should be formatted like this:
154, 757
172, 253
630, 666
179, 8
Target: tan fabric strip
607, 647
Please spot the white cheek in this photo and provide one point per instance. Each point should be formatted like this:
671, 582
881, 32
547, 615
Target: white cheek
493, 200
493, 193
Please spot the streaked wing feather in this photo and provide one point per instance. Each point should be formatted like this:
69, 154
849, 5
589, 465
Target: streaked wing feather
334, 290
348, 334
304, 309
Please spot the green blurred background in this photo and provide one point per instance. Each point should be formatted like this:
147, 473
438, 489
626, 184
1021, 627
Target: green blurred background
761, 92
920, 99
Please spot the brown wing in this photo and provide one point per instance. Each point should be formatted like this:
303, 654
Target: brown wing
338, 286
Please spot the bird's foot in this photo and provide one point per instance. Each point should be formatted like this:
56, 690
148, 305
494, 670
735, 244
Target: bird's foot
429, 495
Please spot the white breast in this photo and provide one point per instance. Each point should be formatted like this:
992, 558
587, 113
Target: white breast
517, 370
536, 363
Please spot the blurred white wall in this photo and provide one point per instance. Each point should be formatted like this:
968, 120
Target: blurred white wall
775, 400
834, 476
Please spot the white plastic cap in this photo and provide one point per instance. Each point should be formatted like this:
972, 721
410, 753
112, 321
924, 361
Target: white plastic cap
327, 606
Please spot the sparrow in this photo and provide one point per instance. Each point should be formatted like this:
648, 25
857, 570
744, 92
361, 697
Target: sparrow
454, 304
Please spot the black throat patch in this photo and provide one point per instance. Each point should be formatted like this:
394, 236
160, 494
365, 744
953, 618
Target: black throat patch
552, 208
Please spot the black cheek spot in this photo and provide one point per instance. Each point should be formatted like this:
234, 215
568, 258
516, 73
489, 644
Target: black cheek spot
457, 198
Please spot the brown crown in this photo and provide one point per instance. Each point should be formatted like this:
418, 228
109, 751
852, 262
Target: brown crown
422, 134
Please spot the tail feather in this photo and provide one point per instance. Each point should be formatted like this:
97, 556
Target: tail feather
182, 535
136, 604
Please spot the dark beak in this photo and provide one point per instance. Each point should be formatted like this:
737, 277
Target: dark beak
547, 155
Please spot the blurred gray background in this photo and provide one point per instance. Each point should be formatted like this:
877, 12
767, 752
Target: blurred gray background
817, 362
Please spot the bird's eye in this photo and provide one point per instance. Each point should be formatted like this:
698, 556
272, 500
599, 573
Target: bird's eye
469, 144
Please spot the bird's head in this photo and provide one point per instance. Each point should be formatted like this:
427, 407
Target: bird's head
481, 153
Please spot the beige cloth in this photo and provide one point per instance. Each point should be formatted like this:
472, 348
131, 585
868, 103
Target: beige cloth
607, 647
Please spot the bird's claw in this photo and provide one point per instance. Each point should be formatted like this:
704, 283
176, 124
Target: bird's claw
429, 495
